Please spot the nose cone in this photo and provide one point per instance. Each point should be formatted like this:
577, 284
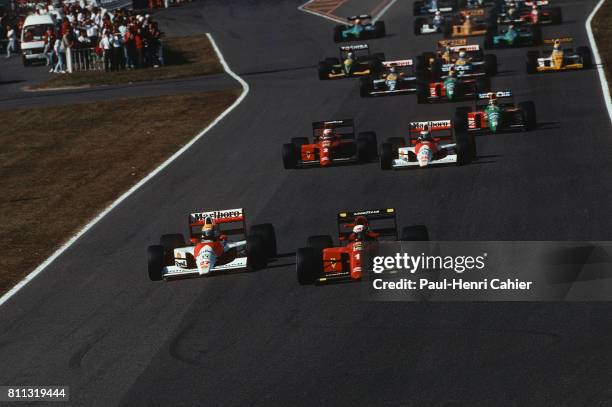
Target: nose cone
424, 156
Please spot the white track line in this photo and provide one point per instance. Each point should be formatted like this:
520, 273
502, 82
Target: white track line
383, 11
118, 201
598, 63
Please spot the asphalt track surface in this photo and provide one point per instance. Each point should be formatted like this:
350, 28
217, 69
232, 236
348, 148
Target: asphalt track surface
93, 321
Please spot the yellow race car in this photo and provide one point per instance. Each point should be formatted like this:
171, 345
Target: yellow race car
465, 25
559, 59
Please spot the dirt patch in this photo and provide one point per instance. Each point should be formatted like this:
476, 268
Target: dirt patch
62, 165
185, 57
602, 30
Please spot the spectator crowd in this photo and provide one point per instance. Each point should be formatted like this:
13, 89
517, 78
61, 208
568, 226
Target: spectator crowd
119, 39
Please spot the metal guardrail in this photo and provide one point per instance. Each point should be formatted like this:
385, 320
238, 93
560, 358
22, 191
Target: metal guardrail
83, 59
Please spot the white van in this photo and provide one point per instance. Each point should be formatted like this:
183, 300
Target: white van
32, 37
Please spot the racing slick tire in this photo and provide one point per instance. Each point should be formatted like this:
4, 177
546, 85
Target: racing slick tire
396, 142
532, 61
155, 260
367, 146
170, 242
324, 70
308, 265
338, 33
416, 8
447, 30
298, 142
418, 24
529, 114
555, 15
488, 41
417, 233
268, 235
421, 67
436, 69
319, 242
256, 253
365, 87
422, 92
290, 158
386, 156
483, 84
461, 123
465, 150
490, 63
585, 54
537, 35
380, 29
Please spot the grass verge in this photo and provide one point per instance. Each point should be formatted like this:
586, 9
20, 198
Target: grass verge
59, 170
602, 30
185, 57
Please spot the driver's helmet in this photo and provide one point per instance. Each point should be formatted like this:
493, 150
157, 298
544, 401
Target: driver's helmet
392, 69
349, 55
425, 134
511, 27
557, 45
534, 7
451, 73
462, 54
209, 229
468, 17
492, 99
327, 134
437, 13
358, 21
359, 232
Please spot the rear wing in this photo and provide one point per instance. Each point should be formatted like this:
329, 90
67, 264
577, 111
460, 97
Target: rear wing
500, 94
452, 42
354, 47
343, 127
229, 221
477, 12
457, 68
445, 126
359, 17
537, 3
399, 62
381, 221
563, 40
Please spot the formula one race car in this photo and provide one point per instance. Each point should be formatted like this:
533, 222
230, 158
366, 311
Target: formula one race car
468, 60
398, 77
520, 13
494, 116
466, 25
429, 143
218, 243
433, 24
512, 36
559, 59
322, 262
425, 7
452, 88
333, 142
360, 29
355, 60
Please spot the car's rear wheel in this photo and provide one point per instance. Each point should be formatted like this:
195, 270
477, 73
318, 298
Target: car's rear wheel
324, 70
532, 61
308, 264
319, 242
268, 235
155, 260
380, 29
529, 114
338, 33
365, 87
465, 150
483, 84
170, 242
290, 158
585, 55
386, 156
418, 24
256, 253
461, 122
436, 69
490, 63
537, 35
367, 146
422, 92
417, 233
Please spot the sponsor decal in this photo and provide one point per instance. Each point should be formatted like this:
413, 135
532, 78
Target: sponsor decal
499, 94
223, 214
370, 212
180, 263
354, 47
432, 124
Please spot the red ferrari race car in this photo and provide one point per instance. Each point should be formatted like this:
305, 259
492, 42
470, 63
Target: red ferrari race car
495, 116
453, 87
358, 231
513, 12
333, 142
218, 243
429, 143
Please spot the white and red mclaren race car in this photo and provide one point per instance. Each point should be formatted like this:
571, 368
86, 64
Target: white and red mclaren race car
429, 143
218, 243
